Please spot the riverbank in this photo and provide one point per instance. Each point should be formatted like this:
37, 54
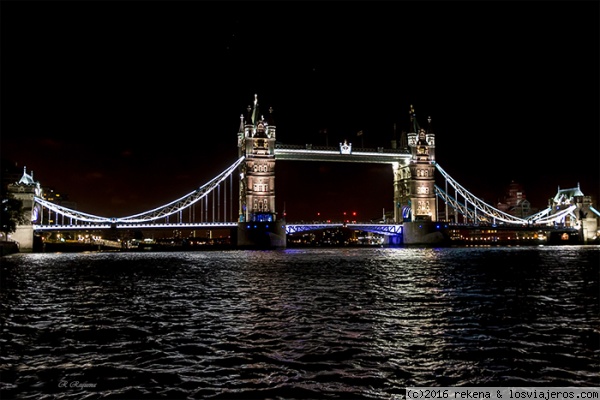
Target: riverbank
7, 248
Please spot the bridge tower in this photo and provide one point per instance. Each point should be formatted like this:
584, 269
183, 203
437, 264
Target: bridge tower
417, 196
25, 190
414, 183
258, 225
422, 170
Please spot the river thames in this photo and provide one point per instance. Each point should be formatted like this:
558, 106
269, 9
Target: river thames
297, 323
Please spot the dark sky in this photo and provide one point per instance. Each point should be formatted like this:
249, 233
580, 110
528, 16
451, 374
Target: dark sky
126, 106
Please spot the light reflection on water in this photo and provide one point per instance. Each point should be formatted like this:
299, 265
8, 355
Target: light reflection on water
298, 323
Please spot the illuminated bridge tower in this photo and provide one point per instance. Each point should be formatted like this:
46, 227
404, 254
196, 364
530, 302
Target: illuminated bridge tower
258, 225
422, 169
25, 190
419, 211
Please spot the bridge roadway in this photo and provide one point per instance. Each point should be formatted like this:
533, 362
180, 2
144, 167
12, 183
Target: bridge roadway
385, 229
338, 154
73, 227
455, 233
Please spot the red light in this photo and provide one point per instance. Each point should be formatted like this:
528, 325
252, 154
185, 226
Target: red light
354, 213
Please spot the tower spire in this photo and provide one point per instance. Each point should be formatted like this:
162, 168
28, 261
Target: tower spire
414, 125
255, 113
270, 120
241, 130
429, 126
249, 110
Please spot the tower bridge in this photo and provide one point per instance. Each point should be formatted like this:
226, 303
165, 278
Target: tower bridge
419, 205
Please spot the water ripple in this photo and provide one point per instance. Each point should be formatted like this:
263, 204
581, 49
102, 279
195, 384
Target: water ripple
298, 323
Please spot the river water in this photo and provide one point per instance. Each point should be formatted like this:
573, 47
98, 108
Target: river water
297, 323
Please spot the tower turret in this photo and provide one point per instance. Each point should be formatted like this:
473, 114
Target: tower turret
430, 139
26, 190
413, 128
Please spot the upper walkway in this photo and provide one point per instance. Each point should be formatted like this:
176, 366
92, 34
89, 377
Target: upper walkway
343, 153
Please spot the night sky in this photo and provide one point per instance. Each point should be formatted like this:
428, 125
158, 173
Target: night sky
126, 106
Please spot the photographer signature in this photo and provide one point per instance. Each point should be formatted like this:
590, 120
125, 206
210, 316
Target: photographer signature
76, 384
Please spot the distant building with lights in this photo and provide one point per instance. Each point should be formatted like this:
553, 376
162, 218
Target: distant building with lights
515, 202
61, 199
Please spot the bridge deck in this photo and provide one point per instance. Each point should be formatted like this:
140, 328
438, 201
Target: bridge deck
199, 225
